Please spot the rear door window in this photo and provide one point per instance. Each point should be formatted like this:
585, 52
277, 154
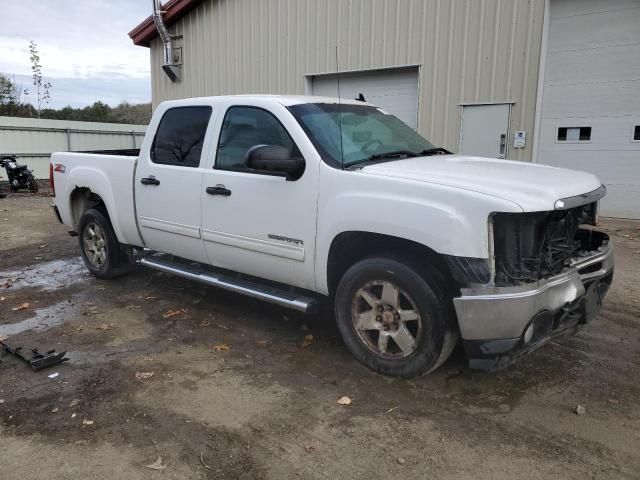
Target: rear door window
180, 136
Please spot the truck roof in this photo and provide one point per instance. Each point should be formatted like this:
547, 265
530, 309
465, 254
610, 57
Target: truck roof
286, 100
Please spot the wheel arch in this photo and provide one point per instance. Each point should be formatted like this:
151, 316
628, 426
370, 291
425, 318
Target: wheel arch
349, 247
82, 199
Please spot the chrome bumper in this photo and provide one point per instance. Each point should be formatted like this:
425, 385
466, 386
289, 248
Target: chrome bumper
496, 318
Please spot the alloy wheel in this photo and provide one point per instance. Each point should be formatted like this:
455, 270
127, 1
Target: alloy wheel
95, 244
386, 319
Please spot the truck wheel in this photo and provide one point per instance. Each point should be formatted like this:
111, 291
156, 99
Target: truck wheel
393, 319
103, 255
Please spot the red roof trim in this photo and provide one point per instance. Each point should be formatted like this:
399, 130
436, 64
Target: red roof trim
174, 11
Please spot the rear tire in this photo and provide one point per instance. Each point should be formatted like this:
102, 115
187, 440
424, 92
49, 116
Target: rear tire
395, 319
102, 254
33, 184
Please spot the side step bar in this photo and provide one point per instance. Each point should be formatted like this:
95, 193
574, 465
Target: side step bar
245, 287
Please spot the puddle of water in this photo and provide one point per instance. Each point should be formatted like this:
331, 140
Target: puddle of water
47, 276
44, 319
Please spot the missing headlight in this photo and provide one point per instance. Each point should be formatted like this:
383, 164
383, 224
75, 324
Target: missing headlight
531, 246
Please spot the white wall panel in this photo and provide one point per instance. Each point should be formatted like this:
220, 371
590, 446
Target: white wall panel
592, 79
33, 140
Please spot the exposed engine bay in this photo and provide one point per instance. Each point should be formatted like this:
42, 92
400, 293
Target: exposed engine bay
531, 246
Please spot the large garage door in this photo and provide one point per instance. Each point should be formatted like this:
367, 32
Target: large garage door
590, 117
395, 90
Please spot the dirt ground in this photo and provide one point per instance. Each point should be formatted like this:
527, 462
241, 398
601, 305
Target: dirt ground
266, 407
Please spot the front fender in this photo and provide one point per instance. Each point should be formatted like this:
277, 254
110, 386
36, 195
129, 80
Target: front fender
448, 220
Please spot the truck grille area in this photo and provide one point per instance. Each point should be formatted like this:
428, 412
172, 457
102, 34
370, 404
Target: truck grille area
531, 246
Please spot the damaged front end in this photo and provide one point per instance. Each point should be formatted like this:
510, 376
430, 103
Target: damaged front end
533, 246
548, 276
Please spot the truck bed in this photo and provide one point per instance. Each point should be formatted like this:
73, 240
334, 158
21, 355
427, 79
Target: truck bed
107, 175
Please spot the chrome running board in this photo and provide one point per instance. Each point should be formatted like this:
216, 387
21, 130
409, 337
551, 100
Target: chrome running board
250, 288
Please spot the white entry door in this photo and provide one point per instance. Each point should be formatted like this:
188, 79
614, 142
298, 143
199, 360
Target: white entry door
485, 130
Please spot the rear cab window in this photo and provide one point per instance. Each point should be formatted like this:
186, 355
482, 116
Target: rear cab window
180, 136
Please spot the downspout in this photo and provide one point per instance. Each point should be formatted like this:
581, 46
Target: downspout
172, 69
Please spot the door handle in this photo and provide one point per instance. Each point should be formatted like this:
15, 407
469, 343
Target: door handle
219, 190
150, 181
503, 145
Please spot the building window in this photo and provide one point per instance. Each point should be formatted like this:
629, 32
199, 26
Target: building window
636, 133
574, 134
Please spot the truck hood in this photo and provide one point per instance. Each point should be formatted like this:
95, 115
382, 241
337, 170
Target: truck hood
532, 186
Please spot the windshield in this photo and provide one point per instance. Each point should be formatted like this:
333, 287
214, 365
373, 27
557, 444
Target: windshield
368, 133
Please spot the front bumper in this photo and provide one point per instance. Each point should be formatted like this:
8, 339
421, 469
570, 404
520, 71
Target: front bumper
500, 324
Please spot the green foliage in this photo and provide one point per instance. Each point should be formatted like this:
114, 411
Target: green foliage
10, 94
101, 112
11, 105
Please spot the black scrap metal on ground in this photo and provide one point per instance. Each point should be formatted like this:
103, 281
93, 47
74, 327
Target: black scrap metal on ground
37, 360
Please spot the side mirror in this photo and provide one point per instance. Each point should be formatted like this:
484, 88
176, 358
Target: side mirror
274, 159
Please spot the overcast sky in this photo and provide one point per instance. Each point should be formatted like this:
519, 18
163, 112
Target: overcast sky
85, 51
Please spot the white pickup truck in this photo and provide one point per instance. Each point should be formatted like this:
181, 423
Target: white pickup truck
294, 200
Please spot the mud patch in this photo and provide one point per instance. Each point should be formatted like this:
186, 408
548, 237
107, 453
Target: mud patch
43, 319
47, 276
89, 415
222, 398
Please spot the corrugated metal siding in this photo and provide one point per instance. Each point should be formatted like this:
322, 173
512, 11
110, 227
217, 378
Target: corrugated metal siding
33, 140
592, 79
468, 50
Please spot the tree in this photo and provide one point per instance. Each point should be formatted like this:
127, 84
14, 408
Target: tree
139, 114
42, 87
12, 105
9, 93
11, 99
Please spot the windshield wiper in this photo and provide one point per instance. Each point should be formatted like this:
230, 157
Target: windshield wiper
394, 154
397, 154
382, 156
435, 151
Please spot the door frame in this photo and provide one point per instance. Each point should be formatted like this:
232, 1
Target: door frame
509, 103
542, 71
145, 162
283, 249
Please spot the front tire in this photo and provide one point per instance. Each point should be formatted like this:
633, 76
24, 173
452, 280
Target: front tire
102, 254
394, 319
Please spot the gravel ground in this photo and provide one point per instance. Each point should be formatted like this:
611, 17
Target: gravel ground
233, 394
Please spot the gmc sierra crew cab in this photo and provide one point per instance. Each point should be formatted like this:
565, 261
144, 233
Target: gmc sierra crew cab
295, 200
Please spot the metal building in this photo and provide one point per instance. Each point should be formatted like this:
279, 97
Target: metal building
485, 77
589, 99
